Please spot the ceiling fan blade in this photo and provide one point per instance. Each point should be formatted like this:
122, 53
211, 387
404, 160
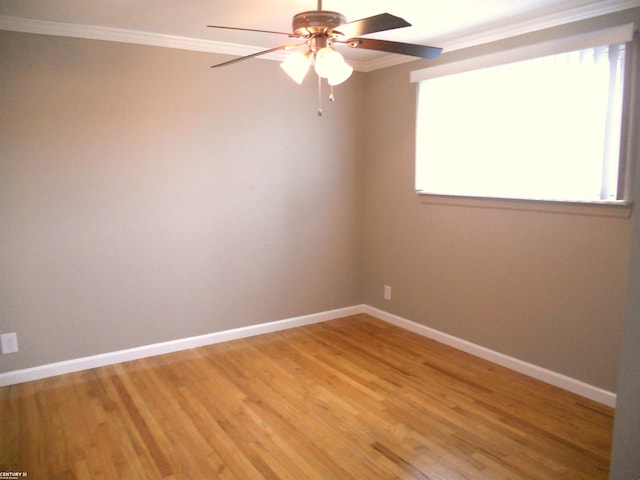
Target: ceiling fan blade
253, 30
253, 55
377, 23
394, 47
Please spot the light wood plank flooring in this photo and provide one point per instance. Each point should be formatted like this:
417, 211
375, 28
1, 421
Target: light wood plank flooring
353, 398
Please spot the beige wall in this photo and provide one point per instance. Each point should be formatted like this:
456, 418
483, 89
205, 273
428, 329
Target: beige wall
145, 197
546, 288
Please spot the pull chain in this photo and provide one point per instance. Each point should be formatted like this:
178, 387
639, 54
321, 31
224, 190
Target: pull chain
319, 96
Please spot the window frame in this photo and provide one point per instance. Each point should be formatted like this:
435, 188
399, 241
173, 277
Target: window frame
624, 33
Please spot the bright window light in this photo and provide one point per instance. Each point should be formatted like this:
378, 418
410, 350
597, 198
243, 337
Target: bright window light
547, 128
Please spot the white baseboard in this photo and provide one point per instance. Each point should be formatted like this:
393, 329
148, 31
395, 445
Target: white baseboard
94, 361
557, 379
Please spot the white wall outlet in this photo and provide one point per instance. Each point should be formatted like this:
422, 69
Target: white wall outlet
9, 342
387, 292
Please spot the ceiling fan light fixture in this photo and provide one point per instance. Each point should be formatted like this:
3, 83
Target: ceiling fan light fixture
320, 29
296, 66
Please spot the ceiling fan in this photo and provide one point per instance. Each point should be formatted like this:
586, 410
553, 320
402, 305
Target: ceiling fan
320, 30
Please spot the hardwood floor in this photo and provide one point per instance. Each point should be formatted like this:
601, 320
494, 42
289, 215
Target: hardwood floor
354, 398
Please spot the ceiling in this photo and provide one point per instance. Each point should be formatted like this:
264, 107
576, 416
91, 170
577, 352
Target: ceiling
450, 24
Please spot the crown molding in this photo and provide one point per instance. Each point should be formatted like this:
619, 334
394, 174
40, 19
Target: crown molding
94, 32
557, 19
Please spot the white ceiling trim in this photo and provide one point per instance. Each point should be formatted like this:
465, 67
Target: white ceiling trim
94, 32
554, 20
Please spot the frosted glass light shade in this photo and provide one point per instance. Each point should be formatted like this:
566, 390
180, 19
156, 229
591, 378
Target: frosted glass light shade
296, 66
328, 61
341, 73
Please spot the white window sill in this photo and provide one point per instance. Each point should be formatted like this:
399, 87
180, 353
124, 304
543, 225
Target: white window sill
618, 209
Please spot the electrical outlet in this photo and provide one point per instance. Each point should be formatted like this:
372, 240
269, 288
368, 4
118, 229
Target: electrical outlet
9, 342
387, 292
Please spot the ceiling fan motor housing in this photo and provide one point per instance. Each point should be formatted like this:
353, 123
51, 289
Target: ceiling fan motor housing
315, 22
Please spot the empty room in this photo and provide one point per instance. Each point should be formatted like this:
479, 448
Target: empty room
319, 239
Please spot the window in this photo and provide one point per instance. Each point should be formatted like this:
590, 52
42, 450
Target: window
546, 126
